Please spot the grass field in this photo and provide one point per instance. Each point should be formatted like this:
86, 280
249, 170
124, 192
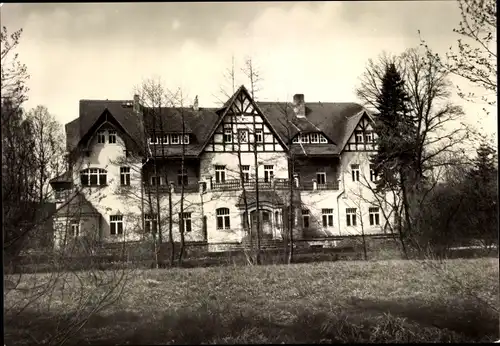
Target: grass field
352, 301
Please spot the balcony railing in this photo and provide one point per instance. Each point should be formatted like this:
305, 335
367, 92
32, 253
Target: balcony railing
251, 185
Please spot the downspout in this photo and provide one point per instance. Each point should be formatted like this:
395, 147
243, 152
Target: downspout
338, 198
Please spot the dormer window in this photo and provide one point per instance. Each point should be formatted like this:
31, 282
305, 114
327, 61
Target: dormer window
174, 139
322, 139
295, 139
165, 139
314, 138
112, 136
101, 137
185, 139
154, 140
304, 138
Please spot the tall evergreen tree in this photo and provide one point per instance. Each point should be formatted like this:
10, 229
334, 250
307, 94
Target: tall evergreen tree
394, 128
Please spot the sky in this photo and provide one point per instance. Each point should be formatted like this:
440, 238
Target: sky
320, 49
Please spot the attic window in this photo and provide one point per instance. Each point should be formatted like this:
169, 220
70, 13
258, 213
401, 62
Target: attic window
101, 138
359, 136
185, 139
112, 136
322, 139
314, 138
174, 139
304, 138
295, 140
154, 140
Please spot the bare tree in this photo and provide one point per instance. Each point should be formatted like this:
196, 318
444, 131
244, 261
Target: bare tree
475, 57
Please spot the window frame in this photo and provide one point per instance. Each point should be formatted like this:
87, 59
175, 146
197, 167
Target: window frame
259, 136
101, 137
112, 134
220, 173
322, 174
368, 137
322, 139
373, 176
125, 176
355, 169
240, 132
185, 139
358, 135
154, 139
98, 173
176, 137
268, 173
182, 177
304, 138
351, 219
245, 171
374, 216
185, 222
306, 218
228, 136
152, 178
223, 220
327, 217
150, 223
74, 225
314, 138
116, 225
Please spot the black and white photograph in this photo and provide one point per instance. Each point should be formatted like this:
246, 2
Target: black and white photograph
251, 172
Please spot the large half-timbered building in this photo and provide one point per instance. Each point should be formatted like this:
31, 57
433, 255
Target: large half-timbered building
216, 173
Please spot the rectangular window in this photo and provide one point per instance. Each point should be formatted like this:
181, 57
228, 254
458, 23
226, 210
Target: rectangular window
124, 175
93, 177
220, 174
185, 222
164, 139
327, 217
154, 140
358, 136
223, 218
182, 177
101, 137
259, 136
373, 176
74, 229
245, 170
243, 136
228, 136
150, 223
368, 137
268, 173
155, 180
304, 138
314, 138
116, 224
355, 172
174, 139
350, 216
305, 218
321, 178
374, 216
322, 139
112, 136
185, 139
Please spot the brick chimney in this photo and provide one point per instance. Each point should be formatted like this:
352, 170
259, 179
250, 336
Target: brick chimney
195, 103
136, 104
299, 106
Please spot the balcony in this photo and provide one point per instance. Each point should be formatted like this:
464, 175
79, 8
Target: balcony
276, 184
189, 188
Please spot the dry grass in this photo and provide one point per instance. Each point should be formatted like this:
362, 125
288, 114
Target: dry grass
385, 301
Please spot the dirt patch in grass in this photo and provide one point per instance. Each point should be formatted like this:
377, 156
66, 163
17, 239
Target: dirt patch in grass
386, 301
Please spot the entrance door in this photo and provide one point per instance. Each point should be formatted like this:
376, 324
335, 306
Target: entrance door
265, 222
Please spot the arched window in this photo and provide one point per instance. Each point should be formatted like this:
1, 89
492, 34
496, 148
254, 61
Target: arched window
93, 177
223, 218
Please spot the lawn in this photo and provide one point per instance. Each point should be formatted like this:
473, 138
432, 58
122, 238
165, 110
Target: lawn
351, 301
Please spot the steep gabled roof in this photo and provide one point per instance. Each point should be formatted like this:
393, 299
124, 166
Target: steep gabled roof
335, 120
222, 112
